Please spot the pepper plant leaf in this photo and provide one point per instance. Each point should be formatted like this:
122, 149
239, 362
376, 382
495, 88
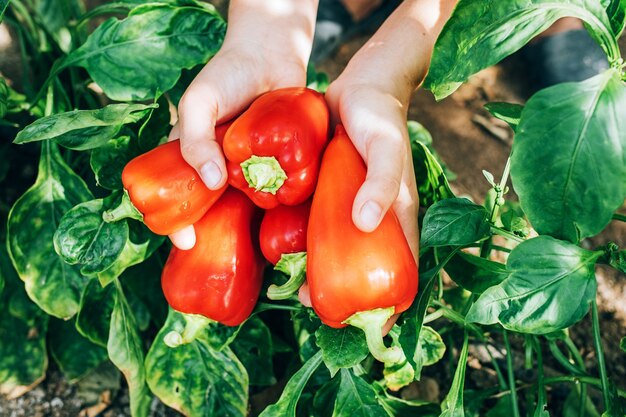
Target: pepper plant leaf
96, 307
211, 384
480, 34
52, 284
84, 238
454, 222
108, 161
616, 11
507, 112
572, 137
253, 347
125, 350
83, 129
474, 273
3, 8
551, 287
356, 398
142, 55
452, 404
341, 348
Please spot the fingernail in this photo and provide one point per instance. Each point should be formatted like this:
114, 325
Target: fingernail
211, 174
370, 215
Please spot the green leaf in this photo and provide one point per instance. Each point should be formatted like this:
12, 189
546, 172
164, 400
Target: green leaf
75, 355
474, 273
96, 307
571, 406
622, 344
53, 285
341, 348
452, 404
617, 15
430, 347
432, 183
399, 407
144, 281
551, 286
572, 138
507, 112
315, 80
83, 129
108, 161
356, 398
3, 7
454, 222
4, 90
84, 238
210, 383
142, 55
125, 350
253, 347
480, 34
140, 245
324, 398
286, 404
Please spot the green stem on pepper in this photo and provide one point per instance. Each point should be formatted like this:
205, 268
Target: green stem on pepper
124, 210
294, 265
263, 173
372, 322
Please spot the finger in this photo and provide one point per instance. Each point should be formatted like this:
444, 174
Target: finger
304, 295
385, 156
174, 133
184, 239
387, 327
406, 207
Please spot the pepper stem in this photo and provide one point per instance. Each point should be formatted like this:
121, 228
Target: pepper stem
194, 324
372, 322
294, 265
263, 173
124, 210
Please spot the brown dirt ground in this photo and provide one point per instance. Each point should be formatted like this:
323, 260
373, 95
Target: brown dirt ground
468, 140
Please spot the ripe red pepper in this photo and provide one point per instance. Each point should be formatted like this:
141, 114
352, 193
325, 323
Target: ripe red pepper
354, 277
283, 243
164, 191
221, 276
273, 149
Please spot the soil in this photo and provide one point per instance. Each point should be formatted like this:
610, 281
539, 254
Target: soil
468, 140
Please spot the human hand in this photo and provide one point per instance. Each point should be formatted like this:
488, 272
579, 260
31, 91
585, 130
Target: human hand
263, 50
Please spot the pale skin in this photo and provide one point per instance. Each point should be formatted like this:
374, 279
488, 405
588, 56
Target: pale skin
267, 47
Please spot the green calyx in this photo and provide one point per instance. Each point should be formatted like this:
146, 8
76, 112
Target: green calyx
263, 173
294, 265
194, 325
124, 210
372, 322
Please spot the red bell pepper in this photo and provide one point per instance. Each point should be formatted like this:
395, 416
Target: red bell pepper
283, 243
354, 277
221, 276
273, 149
163, 191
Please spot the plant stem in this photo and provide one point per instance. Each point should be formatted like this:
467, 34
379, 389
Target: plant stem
620, 217
562, 360
439, 276
511, 375
505, 233
541, 397
600, 353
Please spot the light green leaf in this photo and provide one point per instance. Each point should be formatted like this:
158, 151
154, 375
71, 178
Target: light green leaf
286, 404
83, 129
210, 384
482, 33
125, 350
55, 286
142, 55
572, 138
430, 347
551, 286
84, 238
454, 222
507, 112
356, 398
341, 348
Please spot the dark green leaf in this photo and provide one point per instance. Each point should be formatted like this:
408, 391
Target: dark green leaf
474, 273
480, 34
144, 280
108, 161
4, 90
3, 7
195, 379
317, 81
617, 15
253, 347
399, 407
356, 398
55, 286
551, 286
139, 309
571, 406
90, 388
341, 348
618, 260
125, 350
83, 238
508, 112
138, 57
55, 16
452, 405
155, 129
83, 129
94, 318
622, 344
502, 408
572, 137
432, 183
324, 399
75, 355
454, 222
286, 405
